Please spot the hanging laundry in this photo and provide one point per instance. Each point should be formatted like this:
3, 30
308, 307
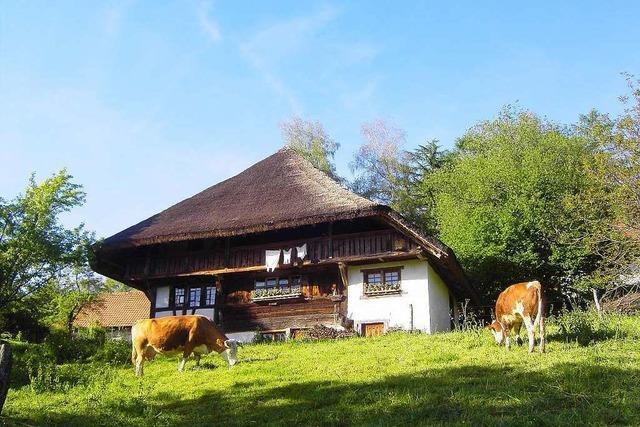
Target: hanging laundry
301, 252
286, 256
271, 259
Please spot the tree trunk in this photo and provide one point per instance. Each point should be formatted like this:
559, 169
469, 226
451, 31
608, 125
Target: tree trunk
5, 370
597, 301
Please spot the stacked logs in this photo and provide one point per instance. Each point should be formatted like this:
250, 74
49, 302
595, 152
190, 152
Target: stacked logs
320, 332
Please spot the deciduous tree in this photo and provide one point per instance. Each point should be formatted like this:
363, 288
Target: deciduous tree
35, 247
311, 140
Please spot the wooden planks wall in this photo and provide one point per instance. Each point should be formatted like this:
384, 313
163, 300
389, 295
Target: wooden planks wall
369, 243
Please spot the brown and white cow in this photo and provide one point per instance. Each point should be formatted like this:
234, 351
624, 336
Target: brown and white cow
518, 304
179, 334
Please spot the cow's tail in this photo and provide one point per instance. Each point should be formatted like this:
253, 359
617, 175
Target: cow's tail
540, 316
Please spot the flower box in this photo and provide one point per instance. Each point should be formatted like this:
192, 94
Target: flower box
275, 294
372, 290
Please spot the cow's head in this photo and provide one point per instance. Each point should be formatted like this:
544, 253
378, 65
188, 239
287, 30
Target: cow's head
496, 330
230, 352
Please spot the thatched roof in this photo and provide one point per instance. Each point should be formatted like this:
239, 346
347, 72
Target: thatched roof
284, 190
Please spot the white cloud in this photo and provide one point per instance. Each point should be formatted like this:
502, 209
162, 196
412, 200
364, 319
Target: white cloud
207, 24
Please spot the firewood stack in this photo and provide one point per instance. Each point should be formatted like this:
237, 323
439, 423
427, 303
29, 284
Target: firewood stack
320, 332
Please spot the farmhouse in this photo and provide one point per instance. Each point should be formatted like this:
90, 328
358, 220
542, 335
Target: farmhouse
281, 247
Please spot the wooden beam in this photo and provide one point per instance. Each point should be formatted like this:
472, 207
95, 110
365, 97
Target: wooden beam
227, 251
344, 274
330, 240
403, 228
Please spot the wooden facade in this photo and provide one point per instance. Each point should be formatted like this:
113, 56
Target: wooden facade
220, 258
233, 272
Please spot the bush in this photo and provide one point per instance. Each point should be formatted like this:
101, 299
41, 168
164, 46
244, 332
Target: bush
585, 327
42, 366
76, 348
27, 359
114, 352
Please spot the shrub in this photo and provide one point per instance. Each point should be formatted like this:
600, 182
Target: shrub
114, 352
585, 327
26, 358
75, 348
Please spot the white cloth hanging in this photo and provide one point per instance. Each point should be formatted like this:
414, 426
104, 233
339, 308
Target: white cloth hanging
271, 259
301, 251
286, 256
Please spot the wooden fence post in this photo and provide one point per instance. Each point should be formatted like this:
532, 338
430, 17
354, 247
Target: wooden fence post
5, 370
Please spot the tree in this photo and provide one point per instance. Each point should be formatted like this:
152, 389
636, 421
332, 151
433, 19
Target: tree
618, 139
75, 289
377, 165
517, 200
312, 142
35, 247
413, 200
385, 172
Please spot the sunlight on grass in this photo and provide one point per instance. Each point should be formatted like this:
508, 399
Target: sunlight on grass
399, 378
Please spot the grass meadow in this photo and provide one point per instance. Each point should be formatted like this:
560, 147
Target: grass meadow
399, 379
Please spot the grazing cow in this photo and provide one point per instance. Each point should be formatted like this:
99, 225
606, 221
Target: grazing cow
518, 304
185, 334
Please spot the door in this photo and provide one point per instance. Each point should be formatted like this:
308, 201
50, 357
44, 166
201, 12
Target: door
372, 329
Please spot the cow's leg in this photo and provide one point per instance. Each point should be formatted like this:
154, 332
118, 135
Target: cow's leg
197, 357
137, 358
516, 330
188, 348
507, 337
542, 340
528, 323
140, 364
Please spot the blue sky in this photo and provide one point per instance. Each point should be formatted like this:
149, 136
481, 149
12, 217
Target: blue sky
147, 103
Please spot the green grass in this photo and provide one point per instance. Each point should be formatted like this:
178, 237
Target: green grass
455, 378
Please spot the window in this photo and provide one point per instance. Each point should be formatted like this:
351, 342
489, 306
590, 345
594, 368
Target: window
210, 295
284, 284
194, 297
296, 284
178, 297
392, 278
383, 281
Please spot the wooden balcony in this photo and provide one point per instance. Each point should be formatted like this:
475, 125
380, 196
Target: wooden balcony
320, 250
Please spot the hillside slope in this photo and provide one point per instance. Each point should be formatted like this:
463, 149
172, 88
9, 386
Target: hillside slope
452, 378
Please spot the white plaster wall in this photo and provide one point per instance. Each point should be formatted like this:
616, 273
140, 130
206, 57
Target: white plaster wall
243, 337
162, 297
206, 312
393, 309
164, 313
421, 287
439, 311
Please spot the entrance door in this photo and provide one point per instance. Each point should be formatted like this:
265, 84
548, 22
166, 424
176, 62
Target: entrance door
372, 329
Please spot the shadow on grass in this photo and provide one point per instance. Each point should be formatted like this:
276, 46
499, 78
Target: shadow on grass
570, 394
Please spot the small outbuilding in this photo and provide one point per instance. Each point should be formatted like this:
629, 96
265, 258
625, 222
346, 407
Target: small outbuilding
117, 312
282, 247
